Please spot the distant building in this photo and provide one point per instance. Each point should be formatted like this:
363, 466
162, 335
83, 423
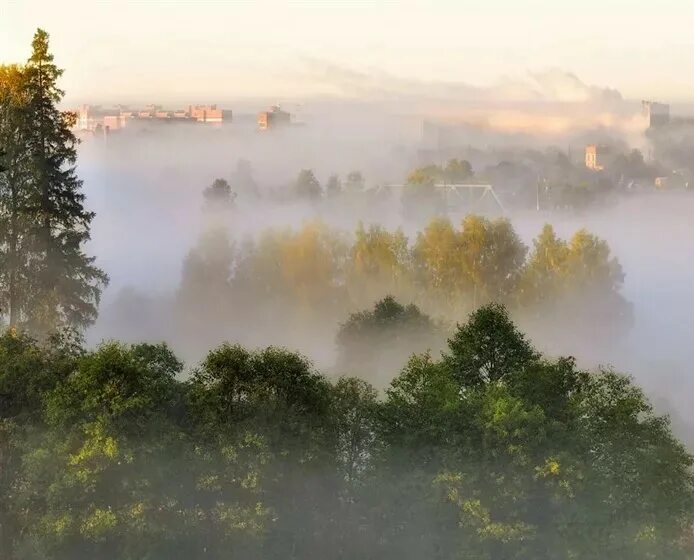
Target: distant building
596, 157
83, 118
112, 122
656, 114
273, 118
206, 113
94, 118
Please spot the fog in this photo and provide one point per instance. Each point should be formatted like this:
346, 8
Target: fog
145, 185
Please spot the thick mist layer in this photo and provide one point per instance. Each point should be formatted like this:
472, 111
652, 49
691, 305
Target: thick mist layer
146, 189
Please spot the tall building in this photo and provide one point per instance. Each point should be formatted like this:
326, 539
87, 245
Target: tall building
657, 114
273, 118
596, 157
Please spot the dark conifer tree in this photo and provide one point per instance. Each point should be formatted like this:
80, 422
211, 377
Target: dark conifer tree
66, 285
15, 214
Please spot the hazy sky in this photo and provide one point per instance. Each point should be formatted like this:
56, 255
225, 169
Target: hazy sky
205, 51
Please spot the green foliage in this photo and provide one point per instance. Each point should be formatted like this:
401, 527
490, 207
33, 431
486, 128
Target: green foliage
373, 342
312, 277
379, 263
354, 182
528, 455
47, 280
204, 292
488, 348
219, 195
491, 452
458, 171
307, 186
242, 180
479, 263
578, 278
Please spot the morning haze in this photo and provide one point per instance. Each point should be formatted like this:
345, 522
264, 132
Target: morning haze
302, 280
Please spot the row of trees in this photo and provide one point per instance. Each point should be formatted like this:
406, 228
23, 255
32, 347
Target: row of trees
492, 452
315, 275
550, 180
46, 279
306, 186
554, 182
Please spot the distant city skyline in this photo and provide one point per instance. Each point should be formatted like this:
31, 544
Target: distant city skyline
209, 52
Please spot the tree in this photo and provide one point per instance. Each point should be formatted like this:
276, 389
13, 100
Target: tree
294, 275
536, 458
307, 186
219, 195
487, 348
243, 181
204, 297
312, 261
438, 266
333, 187
579, 278
379, 263
65, 286
110, 453
425, 176
354, 182
632, 166
481, 262
545, 270
420, 198
455, 171
28, 370
108, 458
458, 171
354, 406
15, 210
377, 341
273, 400
493, 257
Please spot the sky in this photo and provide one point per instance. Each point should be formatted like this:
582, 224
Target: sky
207, 51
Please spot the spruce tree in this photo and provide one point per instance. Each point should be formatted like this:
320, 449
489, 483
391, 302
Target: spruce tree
65, 284
15, 165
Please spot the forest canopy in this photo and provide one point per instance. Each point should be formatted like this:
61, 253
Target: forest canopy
315, 275
492, 451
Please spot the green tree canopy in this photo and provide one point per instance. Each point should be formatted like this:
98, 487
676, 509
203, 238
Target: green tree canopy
487, 348
372, 343
307, 186
493, 451
219, 195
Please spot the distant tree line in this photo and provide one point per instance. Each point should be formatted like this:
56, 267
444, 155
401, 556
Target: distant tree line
550, 180
490, 452
313, 276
